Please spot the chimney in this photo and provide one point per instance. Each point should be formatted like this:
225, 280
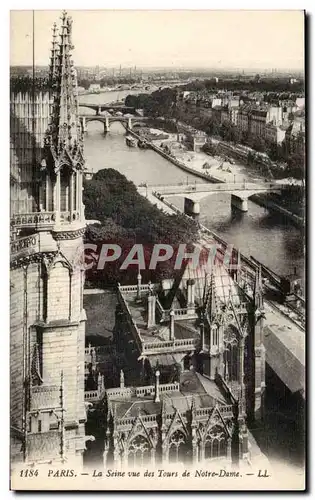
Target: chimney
172, 321
151, 310
191, 294
157, 387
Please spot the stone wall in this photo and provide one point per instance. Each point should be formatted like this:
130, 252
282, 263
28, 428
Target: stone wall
60, 337
25, 133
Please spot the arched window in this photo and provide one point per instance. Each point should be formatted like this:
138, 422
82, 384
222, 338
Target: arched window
208, 449
64, 189
215, 448
139, 452
216, 443
178, 447
187, 362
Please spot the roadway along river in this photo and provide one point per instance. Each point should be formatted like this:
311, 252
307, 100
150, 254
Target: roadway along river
268, 237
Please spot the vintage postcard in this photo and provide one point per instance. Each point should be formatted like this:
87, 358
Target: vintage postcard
157, 174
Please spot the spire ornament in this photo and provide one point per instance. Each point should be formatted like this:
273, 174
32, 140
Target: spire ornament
64, 144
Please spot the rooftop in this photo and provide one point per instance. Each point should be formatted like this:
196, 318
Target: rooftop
183, 329
192, 387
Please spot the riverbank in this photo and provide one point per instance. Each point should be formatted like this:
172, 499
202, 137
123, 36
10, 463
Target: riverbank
175, 161
215, 169
263, 201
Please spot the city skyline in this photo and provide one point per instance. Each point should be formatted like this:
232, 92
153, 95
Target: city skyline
272, 39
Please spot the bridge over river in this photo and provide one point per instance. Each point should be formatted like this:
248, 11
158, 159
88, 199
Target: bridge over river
127, 121
99, 108
194, 193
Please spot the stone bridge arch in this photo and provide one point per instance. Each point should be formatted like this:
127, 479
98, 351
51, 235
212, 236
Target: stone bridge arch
194, 194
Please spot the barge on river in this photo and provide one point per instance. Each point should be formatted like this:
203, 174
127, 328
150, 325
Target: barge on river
131, 141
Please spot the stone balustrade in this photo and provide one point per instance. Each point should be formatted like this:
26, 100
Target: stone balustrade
34, 219
147, 419
95, 350
139, 392
169, 345
91, 395
44, 219
134, 288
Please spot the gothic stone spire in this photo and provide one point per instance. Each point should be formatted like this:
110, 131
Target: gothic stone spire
64, 137
211, 300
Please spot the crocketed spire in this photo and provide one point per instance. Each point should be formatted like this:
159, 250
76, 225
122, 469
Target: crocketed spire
64, 136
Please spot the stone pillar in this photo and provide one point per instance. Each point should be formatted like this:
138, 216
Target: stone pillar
191, 207
77, 191
229, 449
240, 368
57, 197
152, 457
83, 124
259, 381
157, 387
164, 453
139, 279
80, 203
191, 295
71, 200
201, 451
122, 379
194, 433
47, 193
151, 310
239, 203
129, 124
106, 125
105, 453
142, 375
172, 325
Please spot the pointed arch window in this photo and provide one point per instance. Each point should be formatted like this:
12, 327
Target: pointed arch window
215, 336
65, 175
139, 452
216, 443
178, 447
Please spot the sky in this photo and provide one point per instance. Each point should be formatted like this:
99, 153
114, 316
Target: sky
175, 38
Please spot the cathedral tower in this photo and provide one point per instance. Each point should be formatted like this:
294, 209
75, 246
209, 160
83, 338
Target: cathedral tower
47, 276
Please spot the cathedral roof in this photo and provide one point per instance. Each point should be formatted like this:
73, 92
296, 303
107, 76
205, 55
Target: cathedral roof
193, 387
225, 287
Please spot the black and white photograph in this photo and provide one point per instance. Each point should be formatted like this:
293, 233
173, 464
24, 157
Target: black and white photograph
157, 250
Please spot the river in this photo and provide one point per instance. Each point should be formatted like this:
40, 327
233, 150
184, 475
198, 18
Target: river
267, 236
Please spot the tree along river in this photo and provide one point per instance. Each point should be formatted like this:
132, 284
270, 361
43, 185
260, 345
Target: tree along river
267, 236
